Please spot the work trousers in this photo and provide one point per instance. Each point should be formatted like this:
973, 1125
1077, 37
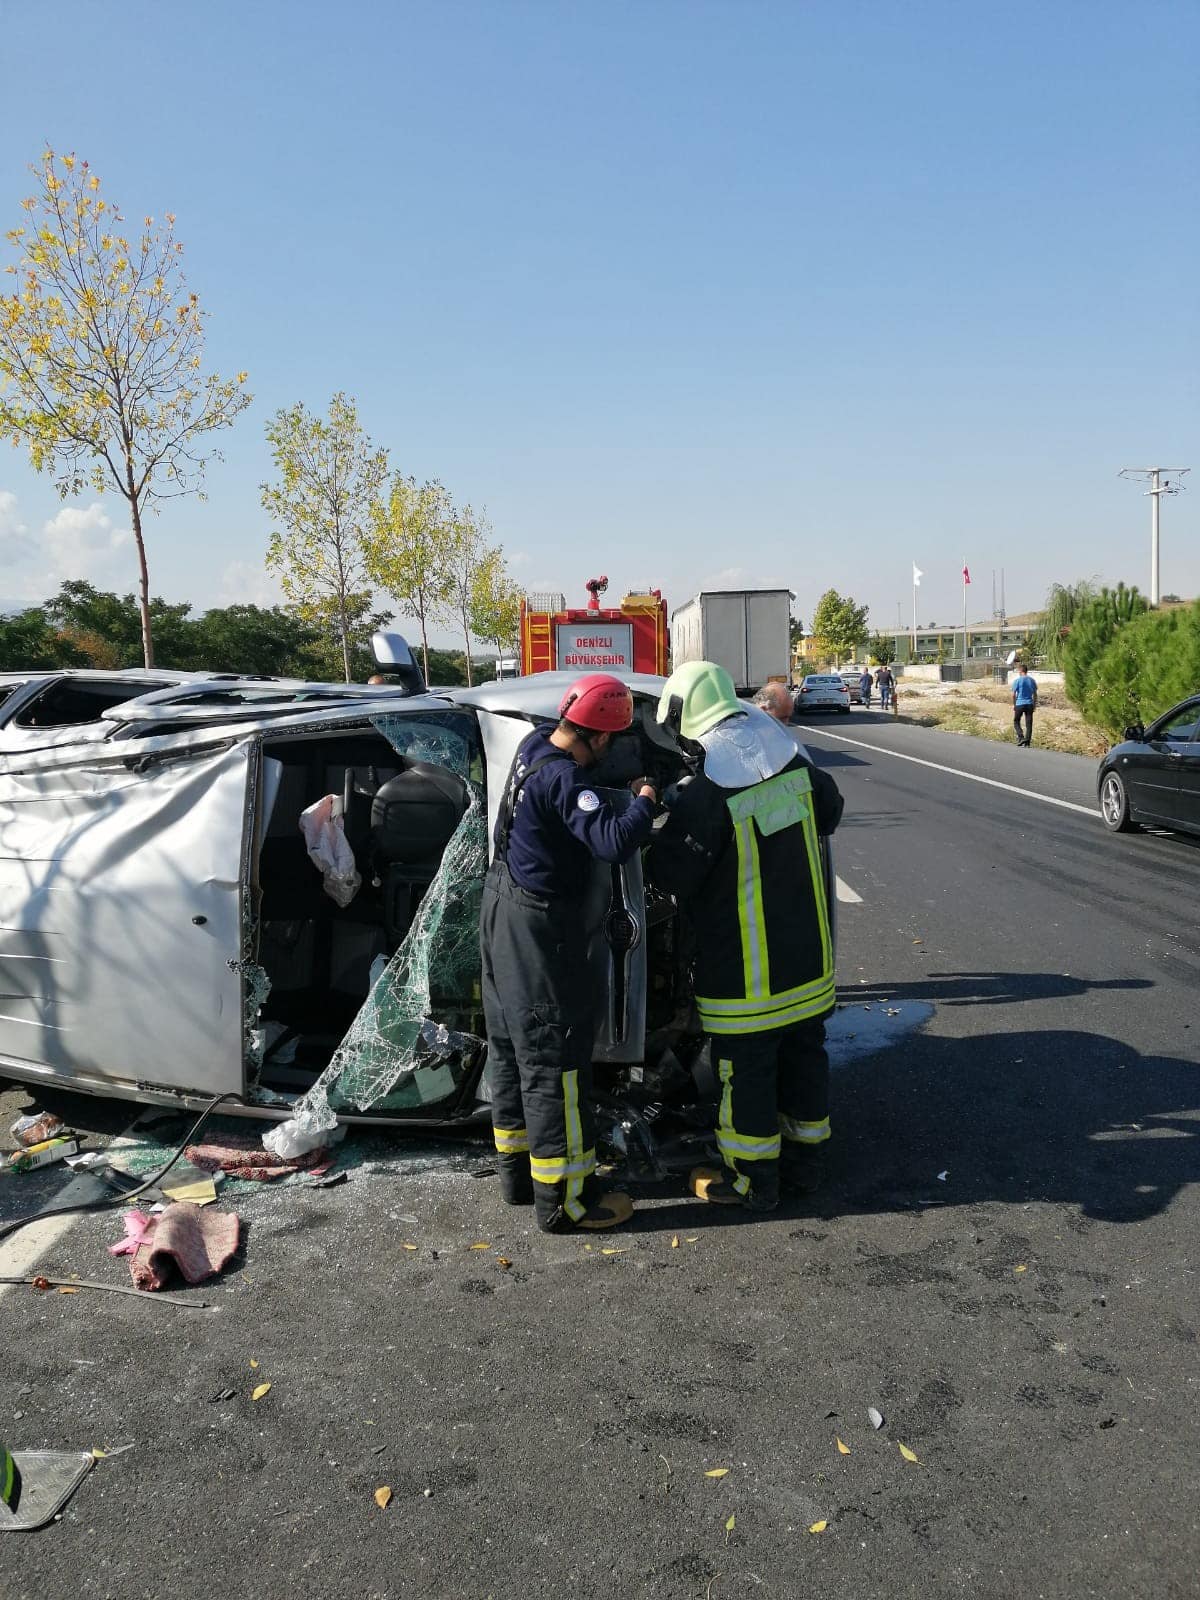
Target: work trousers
1025, 712
538, 1010
774, 1097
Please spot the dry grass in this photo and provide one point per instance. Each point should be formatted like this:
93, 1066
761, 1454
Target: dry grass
984, 711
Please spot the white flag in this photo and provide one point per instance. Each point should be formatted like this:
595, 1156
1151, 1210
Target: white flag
917, 576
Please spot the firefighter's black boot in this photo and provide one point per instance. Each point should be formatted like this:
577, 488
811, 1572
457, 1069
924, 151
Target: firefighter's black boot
516, 1180
802, 1167
717, 1186
601, 1210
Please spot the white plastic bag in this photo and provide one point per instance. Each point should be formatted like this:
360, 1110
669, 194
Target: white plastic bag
325, 835
302, 1133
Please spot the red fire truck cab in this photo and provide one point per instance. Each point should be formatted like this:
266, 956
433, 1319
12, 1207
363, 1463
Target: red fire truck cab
631, 637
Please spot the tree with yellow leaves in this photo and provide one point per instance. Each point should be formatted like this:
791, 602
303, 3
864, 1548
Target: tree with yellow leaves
330, 478
101, 345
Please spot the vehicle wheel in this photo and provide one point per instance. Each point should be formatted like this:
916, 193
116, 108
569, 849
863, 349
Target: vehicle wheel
1114, 804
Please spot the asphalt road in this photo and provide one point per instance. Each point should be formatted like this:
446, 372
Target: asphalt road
1004, 1265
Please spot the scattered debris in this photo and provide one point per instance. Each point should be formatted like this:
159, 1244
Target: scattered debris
942, 1176
48, 1479
43, 1154
265, 1388
503, 1263
1021, 1268
221, 1395
875, 1418
42, 1283
330, 1181
382, 1496
36, 1127
819, 1527
241, 1155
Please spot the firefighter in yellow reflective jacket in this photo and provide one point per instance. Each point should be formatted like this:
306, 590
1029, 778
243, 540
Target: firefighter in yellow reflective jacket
741, 853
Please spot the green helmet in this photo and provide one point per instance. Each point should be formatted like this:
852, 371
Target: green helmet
696, 697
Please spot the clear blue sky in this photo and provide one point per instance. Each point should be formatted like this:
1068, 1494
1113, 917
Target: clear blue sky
683, 292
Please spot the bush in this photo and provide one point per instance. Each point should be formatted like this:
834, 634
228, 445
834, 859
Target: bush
1150, 664
1093, 629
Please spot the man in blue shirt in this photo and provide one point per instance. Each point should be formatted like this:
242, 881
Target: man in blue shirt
1025, 694
537, 998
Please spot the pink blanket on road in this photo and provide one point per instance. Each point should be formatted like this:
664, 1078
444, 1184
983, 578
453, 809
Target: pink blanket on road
197, 1240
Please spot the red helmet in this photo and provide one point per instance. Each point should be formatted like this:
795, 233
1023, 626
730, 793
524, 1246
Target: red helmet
598, 701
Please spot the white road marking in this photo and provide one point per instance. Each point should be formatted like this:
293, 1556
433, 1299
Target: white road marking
22, 1251
846, 894
957, 772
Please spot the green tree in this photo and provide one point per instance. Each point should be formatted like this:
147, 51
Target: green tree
1064, 602
113, 624
30, 642
881, 650
1092, 631
330, 476
466, 554
101, 347
1150, 664
839, 625
407, 551
496, 604
249, 639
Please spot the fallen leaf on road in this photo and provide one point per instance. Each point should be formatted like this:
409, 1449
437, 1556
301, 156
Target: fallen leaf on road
612, 1250
481, 1246
1021, 1268
819, 1527
908, 1454
694, 1239
503, 1261
63, 1289
262, 1389
717, 1472
253, 1363
412, 1247
875, 1418
675, 1242
98, 1455
730, 1526
382, 1495
843, 1449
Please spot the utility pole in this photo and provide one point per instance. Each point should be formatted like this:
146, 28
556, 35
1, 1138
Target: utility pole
1158, 487
998, 613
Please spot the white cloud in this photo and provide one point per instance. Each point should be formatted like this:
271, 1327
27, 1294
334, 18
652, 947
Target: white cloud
15, 544
81, 542
248, 583
517, 558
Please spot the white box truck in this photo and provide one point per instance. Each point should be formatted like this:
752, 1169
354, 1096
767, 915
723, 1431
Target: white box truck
747, 631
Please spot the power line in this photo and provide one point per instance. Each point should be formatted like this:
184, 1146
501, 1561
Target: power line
1159, 486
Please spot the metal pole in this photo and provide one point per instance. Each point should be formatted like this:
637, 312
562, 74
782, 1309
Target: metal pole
1155, 497
964, 623
914, 633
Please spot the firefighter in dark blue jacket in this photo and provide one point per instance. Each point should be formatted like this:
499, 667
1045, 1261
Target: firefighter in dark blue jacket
536, 995
741, 853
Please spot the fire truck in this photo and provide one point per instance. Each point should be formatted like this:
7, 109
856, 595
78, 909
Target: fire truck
631, 637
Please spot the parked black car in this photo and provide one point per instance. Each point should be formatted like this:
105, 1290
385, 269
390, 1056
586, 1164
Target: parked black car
1153, 775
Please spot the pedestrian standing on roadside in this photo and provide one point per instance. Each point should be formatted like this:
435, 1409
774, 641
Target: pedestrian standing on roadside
885, 683
774, 699
864, 687
1025, 699
537, 993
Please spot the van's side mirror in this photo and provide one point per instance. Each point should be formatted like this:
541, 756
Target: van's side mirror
1134, 731
392, 653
